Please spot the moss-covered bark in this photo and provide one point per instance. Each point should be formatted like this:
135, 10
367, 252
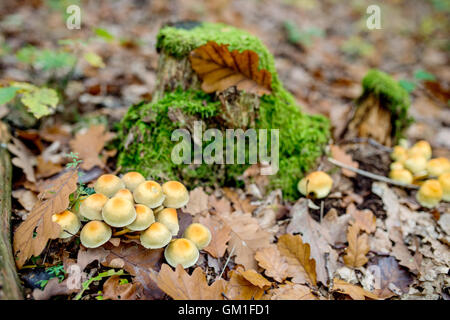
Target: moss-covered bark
145, 132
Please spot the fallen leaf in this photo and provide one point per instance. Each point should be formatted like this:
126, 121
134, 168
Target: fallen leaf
341, 156
54, 288
364, 219
46, 168
239, 288
114, 290
256, 279
86, 256
354, 291
26, 198
358, 247
198, 202
220, 236
274, 264
220, 206
220, 69
336, 226
23, 159
31, 237
292, 291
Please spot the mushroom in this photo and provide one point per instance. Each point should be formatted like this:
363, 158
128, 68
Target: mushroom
181, 251
132, 180
91, 207
438, 166
399, 154
198, 234
176, 194
417, 164
401, 175
429, 194
444, 180
118, 212
422, 148
319, 183
144, 218
69, 222
108, 184
396, 166
95, 233
169, 218
149, 193
126, 194
156, 236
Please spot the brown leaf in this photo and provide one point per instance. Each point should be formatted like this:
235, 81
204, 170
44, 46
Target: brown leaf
220, 236
340, 155
26, 198
198, 202
86, 256
358, 247
46, 168
292, 291
354, 291
89, 144
336, 226
179, 285
239, 288
364, 219
54, 288
271, 260
256, 279
298, 258
112, 289
23, 159
220, 206
220, 69
26, 243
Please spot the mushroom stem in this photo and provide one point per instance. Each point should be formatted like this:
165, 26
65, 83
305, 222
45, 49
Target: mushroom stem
121, 232
371, 175
158, 209
132, 236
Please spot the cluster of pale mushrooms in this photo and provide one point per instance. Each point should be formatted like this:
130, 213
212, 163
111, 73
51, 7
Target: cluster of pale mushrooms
139, 209
415, 165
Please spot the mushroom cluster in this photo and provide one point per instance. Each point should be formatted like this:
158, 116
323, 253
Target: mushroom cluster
138, 209
415, 165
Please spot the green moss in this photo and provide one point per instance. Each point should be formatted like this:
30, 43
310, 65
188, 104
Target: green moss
391, 95
146, 130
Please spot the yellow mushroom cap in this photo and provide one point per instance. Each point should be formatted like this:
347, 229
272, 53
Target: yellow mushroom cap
132, 180
68, 221
319, 183
416, 164
126, 194
399, 154
176, 194
430, 193
401, 175
144, 218
118, 212
198, 234
108, 184
181, 251
396, 166
438, 166
156, 236
91, 207
444, 180
422, 148
95, 233
149, 193
169, 218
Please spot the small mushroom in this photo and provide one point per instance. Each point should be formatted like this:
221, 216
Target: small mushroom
69, 222
156, 236
417, 164
319, 183
429, 194
95, 233
144, 218
198, 234
108, 184
396, 166
126, 194
169, 218
422, 148
91, 207
118, 212
438, 166
181, 251
399, 154
176, 194
132, 180
444, 180
149, 193
401, 175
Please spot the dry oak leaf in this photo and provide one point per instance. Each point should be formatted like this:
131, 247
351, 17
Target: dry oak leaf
302, 268
179, 285
23, 159
31, 237
256, 279
239, 288
220, 236
358, 247
354, 291
46, 168
220, 69
54, 288
274, 264
114, 290
246, 238
198, 202
89, 144
365, 219
292, 291
340, 155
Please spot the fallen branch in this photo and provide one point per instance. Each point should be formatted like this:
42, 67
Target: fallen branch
372, 175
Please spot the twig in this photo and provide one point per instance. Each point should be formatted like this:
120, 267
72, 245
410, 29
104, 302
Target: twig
321, 210
367, 140
371, 175
228, 260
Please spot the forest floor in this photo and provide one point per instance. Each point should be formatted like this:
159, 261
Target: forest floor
322, 51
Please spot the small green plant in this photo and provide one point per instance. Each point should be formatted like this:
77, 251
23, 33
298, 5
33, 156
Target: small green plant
82, 191
100, 276
357, 47
56, 271
419, 76
303, 37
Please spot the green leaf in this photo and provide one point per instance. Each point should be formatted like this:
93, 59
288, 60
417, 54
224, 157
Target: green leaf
40, 102
50, 60
407, 85
27, 54
94, 59
104, 34
423, 75
100, 276
7, 94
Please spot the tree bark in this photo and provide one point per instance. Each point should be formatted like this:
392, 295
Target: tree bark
10, 288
